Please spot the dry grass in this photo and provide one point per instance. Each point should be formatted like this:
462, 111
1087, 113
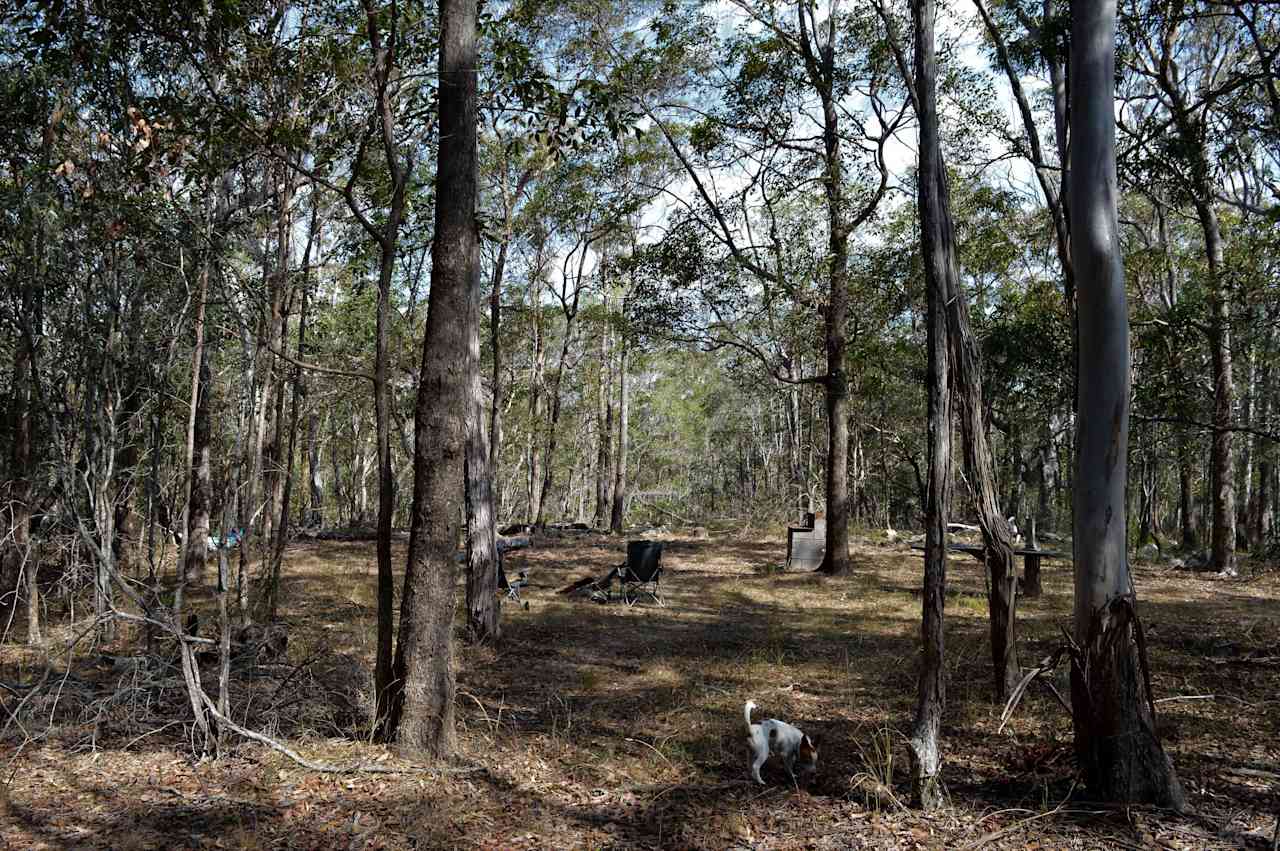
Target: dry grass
609, 726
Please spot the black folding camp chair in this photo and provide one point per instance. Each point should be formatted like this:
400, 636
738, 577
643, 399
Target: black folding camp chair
641, 573
511, 588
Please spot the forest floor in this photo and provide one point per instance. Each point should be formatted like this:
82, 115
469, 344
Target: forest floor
608, 726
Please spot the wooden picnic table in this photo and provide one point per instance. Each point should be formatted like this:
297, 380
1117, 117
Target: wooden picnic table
1030, 562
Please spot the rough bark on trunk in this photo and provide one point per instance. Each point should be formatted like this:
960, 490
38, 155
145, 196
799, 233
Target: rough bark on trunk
495, 344
1113, 713
382, 408
1223, 549
483, 603
422, 712
938, 252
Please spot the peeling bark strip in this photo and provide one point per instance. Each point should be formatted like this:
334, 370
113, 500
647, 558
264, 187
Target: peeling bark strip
423, 687
1121, 756
1114, 735
966, 373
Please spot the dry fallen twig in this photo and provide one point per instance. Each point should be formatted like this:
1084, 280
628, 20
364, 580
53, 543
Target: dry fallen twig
322, 767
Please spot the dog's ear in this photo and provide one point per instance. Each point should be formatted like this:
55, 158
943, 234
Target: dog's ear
808, 743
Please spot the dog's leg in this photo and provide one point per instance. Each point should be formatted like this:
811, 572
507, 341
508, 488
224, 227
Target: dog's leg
760, 757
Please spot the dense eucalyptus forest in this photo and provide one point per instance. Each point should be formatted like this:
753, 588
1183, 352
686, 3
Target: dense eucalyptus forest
337, 335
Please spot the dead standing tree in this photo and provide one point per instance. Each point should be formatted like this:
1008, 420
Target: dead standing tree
965, 363
937, 247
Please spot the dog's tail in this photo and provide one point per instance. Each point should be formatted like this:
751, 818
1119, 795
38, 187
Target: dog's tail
746, 712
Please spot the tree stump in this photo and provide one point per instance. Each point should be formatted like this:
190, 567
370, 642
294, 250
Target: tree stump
1031, 576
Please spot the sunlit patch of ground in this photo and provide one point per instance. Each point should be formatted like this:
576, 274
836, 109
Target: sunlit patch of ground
611, 726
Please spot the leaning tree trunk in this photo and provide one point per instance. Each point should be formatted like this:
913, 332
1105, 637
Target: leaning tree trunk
1113, 710
423, 712
998, 548
938, 250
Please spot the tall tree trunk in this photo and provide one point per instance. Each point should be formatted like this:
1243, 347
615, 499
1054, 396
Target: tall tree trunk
483, 603
386, 506
422, 713
273, 449
495, 345
201, 488
836, 560
604, 430
533, 447
19, 567
315, 464
1191, 132
1186, 497
1113, 712
616, 515
1244, 473
553, 432
299, 392
195, 527
938, 252
1259, 503
1223, 549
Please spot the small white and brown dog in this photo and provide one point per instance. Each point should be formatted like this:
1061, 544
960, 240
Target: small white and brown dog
778, 738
